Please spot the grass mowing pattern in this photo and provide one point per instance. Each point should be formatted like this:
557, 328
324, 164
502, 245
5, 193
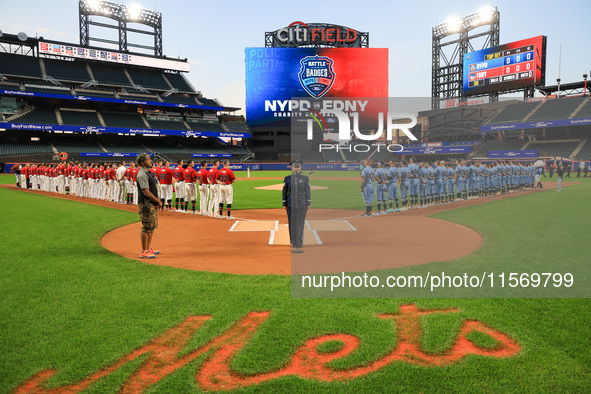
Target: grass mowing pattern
71, 305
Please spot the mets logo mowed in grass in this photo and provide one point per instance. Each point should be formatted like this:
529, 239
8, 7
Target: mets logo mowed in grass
316, 75
311, 361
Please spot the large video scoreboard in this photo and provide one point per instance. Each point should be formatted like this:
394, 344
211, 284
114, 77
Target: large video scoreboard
506, 67
276, 75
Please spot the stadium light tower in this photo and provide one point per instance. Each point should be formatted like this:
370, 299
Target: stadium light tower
447, 68
123, 15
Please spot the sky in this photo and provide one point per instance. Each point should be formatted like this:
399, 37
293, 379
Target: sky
214, 34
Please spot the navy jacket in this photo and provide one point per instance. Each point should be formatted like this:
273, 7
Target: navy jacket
296, 191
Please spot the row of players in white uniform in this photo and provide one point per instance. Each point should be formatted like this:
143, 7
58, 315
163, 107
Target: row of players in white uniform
118, 183
106, 181
418, 185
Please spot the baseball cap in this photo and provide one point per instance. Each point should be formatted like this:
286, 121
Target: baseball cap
296, 163
141, 158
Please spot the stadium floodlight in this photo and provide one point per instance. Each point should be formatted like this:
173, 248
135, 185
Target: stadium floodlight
134, 11
485, 14
122, 14
453, 24
93, 4
447, 67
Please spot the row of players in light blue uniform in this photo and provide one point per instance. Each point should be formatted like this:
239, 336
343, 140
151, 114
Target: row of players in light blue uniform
424, 184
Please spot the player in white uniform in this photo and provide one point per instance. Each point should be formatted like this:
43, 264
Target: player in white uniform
226, 192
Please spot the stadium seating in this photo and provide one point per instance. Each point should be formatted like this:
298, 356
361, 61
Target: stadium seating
126, 96
73, 149
332, 155
76, 118
118, 119
513, 144
179, 99
107, 74
236, 150
48, 89
148, 78
178, 81
585, 152
556, 109
357, 157
237, 127
24, 149
168, 150
38, 116
19, 65
96, 93
514, 113
557, 149
585, 112
205, 126
208, 102
125, 148
9, 86
167, 125
66, 70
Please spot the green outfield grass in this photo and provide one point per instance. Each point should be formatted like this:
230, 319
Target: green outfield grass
71, 305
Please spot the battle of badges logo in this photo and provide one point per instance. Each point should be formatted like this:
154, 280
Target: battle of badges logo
316, 75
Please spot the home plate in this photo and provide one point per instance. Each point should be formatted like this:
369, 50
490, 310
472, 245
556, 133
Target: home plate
279, 233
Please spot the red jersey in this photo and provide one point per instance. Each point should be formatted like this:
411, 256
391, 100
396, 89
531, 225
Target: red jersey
128, 173
59, 170
203, 176
179, 174
190, 175
134, 172
156, 171
165, 176
25, 171
107, 174
101, 173
53, 172
84, 174
214, 175
227, 176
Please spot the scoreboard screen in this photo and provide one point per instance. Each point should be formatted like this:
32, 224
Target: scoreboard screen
276, 75
506, 67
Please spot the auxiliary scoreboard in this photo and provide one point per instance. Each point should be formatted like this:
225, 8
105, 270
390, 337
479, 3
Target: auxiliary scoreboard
506, 67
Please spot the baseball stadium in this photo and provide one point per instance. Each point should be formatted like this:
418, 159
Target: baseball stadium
324, 236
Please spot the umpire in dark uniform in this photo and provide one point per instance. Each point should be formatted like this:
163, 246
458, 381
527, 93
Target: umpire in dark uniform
296, 201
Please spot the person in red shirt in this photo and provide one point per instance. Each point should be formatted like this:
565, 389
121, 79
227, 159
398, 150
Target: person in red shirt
101, 186
214, 189
85, 192
179, 176
203, 178
190, 190
60, 178
227, 177
156, 170
25, 176
165, 178
128, 183
134, 172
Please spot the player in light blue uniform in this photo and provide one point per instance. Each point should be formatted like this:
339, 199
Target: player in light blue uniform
380, 177
451, 182
472, 181
414, 182
440, 181
486, 174
430, 183
404, 173
393, 179
423, 183
367, 188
